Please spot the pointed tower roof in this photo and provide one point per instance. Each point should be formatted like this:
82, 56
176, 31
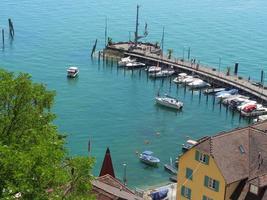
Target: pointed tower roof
107, 166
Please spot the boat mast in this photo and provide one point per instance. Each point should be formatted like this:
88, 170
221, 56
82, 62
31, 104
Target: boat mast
136, 25
106, 30
162, 40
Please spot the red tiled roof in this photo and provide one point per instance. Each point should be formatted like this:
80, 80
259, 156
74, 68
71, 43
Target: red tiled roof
109, 188
234, 164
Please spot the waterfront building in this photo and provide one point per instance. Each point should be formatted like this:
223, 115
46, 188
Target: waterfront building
108, 187
228, 166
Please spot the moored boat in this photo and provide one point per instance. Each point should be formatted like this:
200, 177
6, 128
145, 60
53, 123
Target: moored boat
180, 78
198, 83
154, 69
147, 158
188, 145
163, 74
72, 72
213, 90
170, 102
125, 61
135, 64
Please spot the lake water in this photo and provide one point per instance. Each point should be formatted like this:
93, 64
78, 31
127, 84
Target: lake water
114, 107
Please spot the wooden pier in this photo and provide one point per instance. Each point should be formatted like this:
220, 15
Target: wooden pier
151, 55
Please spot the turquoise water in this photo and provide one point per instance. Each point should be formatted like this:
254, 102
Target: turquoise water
116, 108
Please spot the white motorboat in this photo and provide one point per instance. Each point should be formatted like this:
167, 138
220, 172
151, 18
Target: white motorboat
163, 74
188, 79
260, 118
125, 61
180, 78
169, 102
72, 72
147, 158
198, 83
154, 69
225, 94
213, 90
135, 64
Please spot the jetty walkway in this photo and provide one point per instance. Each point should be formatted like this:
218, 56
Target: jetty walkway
149, 54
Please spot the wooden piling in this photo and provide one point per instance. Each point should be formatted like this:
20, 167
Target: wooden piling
94, 48
3, 38
99, 55
11, 28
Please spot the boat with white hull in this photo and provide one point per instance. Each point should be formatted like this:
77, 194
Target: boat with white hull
170, 102
147, 158
198, 83
154, 69
163, 74
72, 72
125, 61
135, 64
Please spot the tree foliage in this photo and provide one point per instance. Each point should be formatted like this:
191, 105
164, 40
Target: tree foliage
33, 160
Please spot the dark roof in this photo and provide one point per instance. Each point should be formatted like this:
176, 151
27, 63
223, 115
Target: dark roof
109, 188
236, 153
107, 166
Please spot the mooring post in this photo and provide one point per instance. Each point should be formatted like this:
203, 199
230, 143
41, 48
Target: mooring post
199, 95
94, 47
207, 98
139, 73
262, 77
99, 54
189, 52
11, 28
3, 38
111, 61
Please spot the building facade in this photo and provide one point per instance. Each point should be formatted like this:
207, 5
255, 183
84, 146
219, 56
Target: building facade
228, 166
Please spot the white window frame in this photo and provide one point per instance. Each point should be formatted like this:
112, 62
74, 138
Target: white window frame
202, 157
211, 183
254, 189
186, 192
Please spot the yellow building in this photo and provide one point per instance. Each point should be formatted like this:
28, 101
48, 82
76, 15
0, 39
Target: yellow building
228, 166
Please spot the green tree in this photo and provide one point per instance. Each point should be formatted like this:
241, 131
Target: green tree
170, 51
33, 160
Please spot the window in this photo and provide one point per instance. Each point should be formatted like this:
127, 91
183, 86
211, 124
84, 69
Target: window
206, 198
211, 183
241, 149
202, 157
186, 192
189, 173
254, 189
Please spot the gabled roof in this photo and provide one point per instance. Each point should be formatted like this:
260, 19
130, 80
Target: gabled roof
236, 152
109, 188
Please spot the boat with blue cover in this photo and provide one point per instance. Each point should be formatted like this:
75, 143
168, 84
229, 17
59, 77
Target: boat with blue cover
147, 158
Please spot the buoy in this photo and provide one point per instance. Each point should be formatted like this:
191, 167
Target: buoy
146, 142
157, 133
136, 152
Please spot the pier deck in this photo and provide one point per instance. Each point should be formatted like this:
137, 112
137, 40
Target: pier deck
146, 53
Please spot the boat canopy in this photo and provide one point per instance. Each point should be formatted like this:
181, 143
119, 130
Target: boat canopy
147, 152
182, 74
193, 142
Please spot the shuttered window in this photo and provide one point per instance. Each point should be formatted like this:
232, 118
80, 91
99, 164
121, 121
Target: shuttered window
211, 183
186, 192
201, 157
189, 173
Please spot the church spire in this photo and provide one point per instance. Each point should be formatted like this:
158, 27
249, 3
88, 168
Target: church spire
107, 167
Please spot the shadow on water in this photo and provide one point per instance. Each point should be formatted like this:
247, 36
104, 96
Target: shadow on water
72, 81
167, 109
